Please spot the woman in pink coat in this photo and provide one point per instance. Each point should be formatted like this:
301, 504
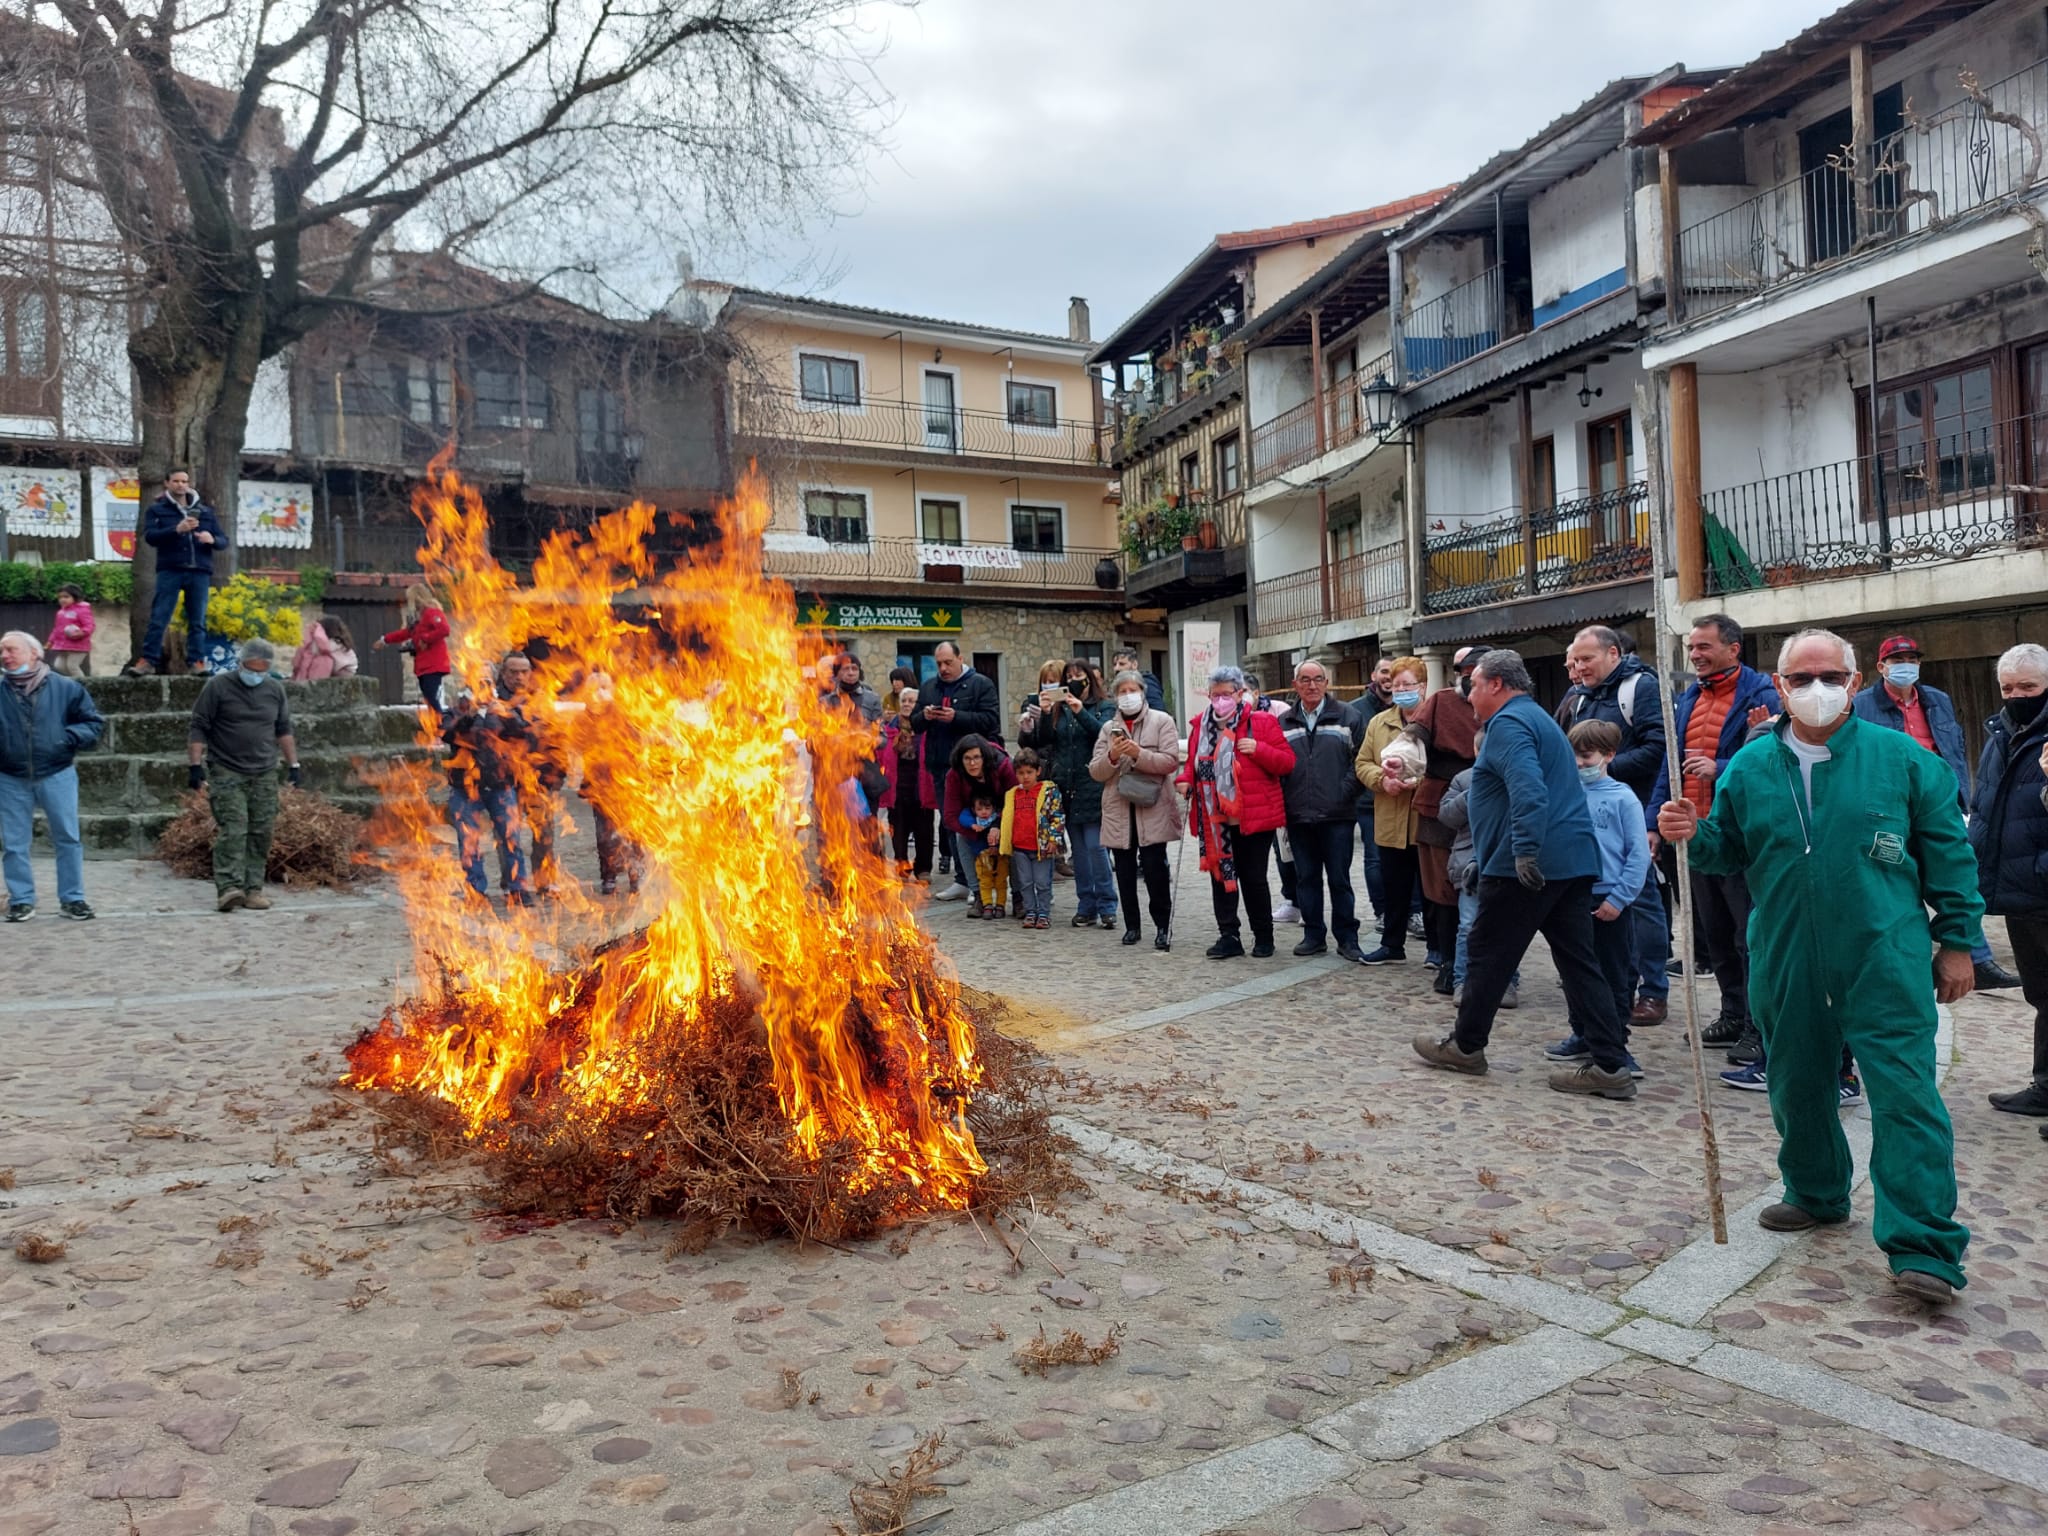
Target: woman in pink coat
325, 652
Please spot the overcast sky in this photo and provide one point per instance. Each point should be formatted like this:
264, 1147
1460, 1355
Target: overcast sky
1043, 148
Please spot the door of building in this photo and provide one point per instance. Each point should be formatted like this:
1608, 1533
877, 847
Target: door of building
941, 412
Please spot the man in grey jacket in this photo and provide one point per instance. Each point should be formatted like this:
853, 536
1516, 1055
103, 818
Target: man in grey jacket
239, 726
1322, 800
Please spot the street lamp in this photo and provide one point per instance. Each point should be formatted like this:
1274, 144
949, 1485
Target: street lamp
1379, 400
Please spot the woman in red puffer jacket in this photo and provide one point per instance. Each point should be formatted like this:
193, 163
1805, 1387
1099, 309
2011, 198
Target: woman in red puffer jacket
1236, 759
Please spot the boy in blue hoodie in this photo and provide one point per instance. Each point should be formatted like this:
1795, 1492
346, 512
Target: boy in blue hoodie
1623, 836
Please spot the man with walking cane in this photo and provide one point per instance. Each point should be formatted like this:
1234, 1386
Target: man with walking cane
1850, 834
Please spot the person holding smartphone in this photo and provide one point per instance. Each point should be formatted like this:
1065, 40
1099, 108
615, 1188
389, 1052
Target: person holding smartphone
1237, 759
1064, 736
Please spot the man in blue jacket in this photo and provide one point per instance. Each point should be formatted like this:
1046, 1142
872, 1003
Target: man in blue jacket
46, 719
2009, 833
1901, 702
1533, 842
185, 532
1712, 720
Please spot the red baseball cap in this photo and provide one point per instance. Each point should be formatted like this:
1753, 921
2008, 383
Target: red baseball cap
1896, 644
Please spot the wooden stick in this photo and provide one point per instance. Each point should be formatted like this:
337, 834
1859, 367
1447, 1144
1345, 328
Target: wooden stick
1674, 750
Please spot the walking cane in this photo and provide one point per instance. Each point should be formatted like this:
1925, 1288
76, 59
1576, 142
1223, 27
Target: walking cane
1180, 846
1674, 749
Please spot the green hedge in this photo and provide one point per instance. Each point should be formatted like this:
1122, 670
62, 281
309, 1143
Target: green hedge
102, 584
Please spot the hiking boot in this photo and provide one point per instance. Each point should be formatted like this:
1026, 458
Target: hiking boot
1592, 1079
1784, 1217
1749, 1048
77, 911
229, 901
1229, 947
1445, 1053
2030, 1100
1311, 947
256, 901
1931, 1290
1991, 977
21, 911
1383, 956
1723, 1031
1649, 1010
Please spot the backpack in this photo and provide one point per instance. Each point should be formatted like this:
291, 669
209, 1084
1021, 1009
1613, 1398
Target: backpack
1626, 698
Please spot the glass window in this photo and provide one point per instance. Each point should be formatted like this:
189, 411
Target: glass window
1190, 473
939, 522
1033, 405
838, 517
1611, 446
1038, 528
600, 417
1089, 651
504, 400
1936, 437
830, 380
1229, 466
426, 388
1543, 470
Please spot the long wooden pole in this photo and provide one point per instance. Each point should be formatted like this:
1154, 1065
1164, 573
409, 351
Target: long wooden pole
1710, 1149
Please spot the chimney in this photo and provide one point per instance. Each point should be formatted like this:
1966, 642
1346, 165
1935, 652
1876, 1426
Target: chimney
1077, 319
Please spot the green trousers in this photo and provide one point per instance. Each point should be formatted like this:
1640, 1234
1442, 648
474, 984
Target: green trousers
244, 812
1887, 1017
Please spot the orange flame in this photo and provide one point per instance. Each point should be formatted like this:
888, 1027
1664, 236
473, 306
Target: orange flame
711, 751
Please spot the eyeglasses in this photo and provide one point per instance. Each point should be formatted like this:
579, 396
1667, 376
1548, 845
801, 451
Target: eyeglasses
1832, 679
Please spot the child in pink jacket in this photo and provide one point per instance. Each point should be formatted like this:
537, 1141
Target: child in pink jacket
70, 643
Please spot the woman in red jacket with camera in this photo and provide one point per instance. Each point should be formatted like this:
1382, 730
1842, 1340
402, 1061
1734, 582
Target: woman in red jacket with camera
426, 636
1235, 761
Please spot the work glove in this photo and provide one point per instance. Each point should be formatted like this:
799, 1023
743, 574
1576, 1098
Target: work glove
195, 775
1529, 873
293, 775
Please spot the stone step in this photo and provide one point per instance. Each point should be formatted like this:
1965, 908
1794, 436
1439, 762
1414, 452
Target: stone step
133, 834
154, 732
113, 782
150, 695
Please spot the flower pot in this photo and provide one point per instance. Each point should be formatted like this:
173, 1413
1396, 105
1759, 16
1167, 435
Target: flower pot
1108, 575
1205, 533
1189, 541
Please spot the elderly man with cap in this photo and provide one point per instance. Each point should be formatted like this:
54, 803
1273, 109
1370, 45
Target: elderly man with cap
239, 726
1850, 835
46, 719
1899, 701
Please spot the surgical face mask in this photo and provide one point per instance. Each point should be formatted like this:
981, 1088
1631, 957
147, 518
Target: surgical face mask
1818, 704
1592, 773
1407, 698
1902, 674
1465, 684
250, 679
1223, 709
1131, 703
21, 671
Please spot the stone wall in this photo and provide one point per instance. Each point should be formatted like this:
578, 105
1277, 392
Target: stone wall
1021, 636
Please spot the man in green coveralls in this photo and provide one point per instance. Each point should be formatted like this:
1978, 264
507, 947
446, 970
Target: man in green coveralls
1849, 834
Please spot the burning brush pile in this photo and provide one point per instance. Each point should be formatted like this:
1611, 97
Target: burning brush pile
773, 1043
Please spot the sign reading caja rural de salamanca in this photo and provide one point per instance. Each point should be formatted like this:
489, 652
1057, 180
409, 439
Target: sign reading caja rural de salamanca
916, 618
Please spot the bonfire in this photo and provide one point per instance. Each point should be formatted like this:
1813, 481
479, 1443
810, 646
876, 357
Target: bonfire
764, 1035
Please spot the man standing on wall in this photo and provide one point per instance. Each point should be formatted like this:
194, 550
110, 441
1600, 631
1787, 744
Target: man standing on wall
185, 533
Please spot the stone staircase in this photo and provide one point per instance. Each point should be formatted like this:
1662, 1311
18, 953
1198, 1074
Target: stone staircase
128, 787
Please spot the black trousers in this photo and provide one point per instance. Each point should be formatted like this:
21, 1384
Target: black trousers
1440, 922
1614, 949
1400, 879
1722, 902
1151, 860
1322, 851
2029, 937
1253, 851
1510, 915
911, 826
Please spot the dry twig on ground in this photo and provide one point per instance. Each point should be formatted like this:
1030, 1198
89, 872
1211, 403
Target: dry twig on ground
1041, 1354
315, 842
35, 1248
882, 1507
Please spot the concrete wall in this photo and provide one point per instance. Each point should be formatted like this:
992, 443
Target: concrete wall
1436, 267
1578, 230
1280, 270
1286, 535
1276, 380
1233, 619
893, 500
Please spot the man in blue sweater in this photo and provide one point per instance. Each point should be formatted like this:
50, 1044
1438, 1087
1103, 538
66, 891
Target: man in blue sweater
1532, 838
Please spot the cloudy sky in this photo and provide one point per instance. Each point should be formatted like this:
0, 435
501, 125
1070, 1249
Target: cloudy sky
1042, 148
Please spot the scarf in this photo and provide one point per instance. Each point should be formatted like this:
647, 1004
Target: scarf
1214, 802
26, 684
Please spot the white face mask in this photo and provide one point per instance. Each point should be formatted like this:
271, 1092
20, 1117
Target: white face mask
1818, 704
1131, 703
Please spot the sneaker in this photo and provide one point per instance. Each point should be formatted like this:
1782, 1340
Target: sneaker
1749, 1079
2030, 1100
1108, 921
77, 911
1263, 950
1571, 1048
1309, 947
229, 901
1723, 1031
1416, 930
1445, 1053
954, 892
1852, 1091
21, 911
974, 906
1287, 912
1229, 947
1432, 959
1383, 956
256, 901
1750, 1047
1674, 967
1992, 977
1649, 1010
611, 887
1078, 921
1590, 1078
1635, 1068
1512, 998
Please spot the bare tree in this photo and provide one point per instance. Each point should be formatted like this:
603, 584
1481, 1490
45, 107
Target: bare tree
258, 161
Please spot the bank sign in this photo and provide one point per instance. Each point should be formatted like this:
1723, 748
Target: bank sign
911, 618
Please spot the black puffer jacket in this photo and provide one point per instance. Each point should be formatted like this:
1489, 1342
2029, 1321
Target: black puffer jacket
1628, 700
1066, 740
1324, 784
2009, 830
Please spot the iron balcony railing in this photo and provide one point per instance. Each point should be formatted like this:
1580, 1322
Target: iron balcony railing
800, 560
1972, 155
1211, 522
1584, 542
1357, 585
1451, 327
1289, 439
909, 426
1962, 494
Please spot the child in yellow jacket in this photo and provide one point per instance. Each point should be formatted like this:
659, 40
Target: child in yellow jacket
1034, 823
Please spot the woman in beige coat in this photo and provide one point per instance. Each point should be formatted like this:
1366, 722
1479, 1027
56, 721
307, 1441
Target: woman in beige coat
1393, 810
1140, 746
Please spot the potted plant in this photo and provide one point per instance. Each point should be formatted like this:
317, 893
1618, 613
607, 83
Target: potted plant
1205, 533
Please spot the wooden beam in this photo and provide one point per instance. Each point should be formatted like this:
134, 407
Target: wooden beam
1688, 528
1526, 451
1674, 278
1315, 364
1861, 160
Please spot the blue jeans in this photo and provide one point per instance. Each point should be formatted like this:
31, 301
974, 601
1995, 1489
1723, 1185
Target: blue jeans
194, 585
1094, 882
495, 811
58, 796
1649, 939
1468, 909
1322, 849
1031, 878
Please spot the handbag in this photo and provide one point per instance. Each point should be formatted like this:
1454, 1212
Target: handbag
1139, 788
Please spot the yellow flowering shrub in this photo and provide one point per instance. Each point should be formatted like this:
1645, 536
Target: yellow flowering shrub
247, 608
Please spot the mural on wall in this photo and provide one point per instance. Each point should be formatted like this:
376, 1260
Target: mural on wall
275, 514
116, 497
41, 504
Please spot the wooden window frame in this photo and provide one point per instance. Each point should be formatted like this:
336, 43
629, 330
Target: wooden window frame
831, 399
2007, 407
1542, 456
1625, 420
959, 506
1190, 485
1016, 389
1234, 442
836, 515
29, 386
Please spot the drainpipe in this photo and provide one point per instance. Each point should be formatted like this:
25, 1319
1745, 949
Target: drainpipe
1884, 521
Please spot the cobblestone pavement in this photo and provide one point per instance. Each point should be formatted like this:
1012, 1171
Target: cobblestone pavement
1349, 1294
